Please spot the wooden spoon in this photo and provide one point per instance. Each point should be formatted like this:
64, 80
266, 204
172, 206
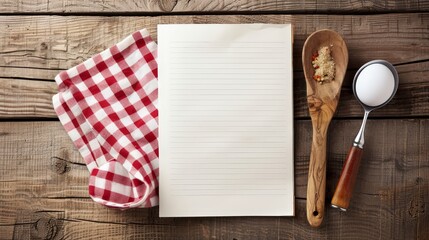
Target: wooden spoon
322, 102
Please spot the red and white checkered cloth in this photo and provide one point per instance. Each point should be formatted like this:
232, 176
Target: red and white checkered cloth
108, 106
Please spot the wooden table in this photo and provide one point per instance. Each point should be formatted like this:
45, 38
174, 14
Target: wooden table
43, 179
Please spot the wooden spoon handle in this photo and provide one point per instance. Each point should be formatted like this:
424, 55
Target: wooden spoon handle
346, 183
317, 179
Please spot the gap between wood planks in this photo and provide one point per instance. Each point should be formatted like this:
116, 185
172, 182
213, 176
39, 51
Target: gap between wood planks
177, 7
199, 13
349, 70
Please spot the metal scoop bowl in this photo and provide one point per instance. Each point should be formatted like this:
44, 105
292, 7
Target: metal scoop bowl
374, 85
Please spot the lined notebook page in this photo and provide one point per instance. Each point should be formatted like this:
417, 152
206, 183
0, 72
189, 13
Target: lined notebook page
225, 120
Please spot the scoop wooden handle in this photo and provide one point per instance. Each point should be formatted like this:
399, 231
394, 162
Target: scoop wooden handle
346, 183
317, 179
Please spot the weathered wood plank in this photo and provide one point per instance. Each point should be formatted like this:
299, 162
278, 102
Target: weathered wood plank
417, 206
39, 46
176, 6
25, 73
25, 98
361, 224
21, 98
392, 190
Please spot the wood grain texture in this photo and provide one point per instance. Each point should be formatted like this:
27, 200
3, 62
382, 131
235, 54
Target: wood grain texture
391, 195
38, 47
43, 45
22, 98
43, 180
25, 98
322, 100
176, 6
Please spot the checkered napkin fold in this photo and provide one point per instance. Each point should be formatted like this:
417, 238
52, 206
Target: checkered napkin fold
108, 106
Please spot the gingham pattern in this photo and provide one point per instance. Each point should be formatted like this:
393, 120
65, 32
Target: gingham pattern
108, 106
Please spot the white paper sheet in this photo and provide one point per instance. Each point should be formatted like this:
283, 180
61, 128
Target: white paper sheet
226, 120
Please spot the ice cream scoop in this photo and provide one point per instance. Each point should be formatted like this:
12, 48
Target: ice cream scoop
374, 85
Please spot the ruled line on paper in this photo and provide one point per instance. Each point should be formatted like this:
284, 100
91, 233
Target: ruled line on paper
231, 52
200, 109
226, 166
194, 45
230, 59
212, 190
226, 98
194, 104
236, 70
230, 118
249, 90
227, 184
238, 182
229, 64
227, 67
230, 102
225, 140
242, 141
243, 189
218, 51
199, 63
238, 188
192, 41
244, 172
224, 178
225, 58
226, 81
220, 110
222, 55
226, 114
200, 159
232, 85
224, 92
230, 94
224, 157
227, 131
229, 187
226, 194
229, 121
227, 78
195, 152
224, 128
226, 174
197, 161
229, 87
229, 73
222, 147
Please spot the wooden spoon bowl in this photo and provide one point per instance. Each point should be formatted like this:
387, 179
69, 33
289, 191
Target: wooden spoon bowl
322, 102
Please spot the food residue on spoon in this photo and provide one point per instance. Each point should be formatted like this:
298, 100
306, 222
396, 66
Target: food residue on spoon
324, 65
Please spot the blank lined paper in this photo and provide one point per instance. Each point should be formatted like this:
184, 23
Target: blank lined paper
225, 120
